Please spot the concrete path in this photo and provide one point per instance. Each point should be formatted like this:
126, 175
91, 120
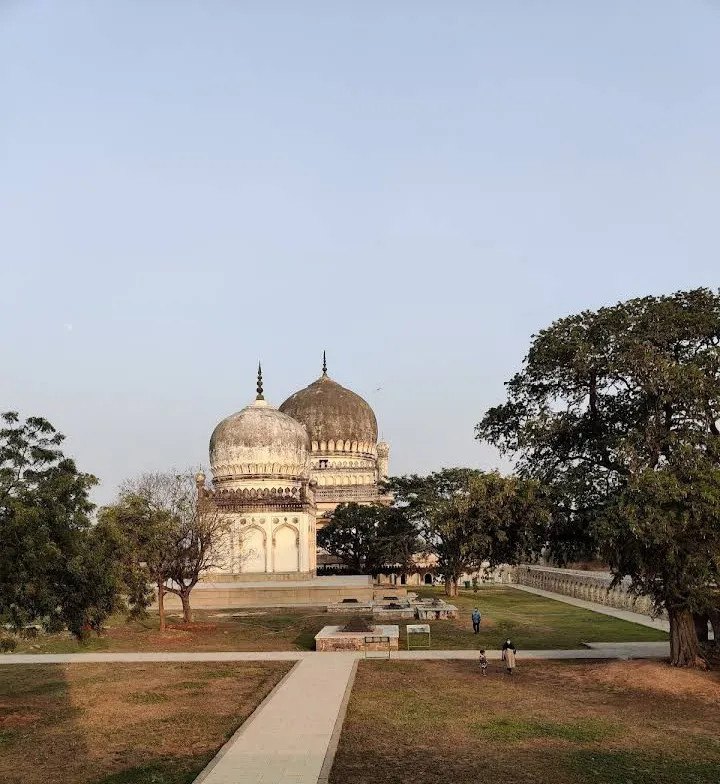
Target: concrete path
609, 650
603, 609
287, 739
159, 656
599, 650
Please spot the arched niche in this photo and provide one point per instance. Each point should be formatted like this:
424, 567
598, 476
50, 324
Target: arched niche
254, 550
286, 549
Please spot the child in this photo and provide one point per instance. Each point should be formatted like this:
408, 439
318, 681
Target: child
483, 663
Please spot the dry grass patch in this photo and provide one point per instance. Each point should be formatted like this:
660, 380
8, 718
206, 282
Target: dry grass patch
565, 722
123, 723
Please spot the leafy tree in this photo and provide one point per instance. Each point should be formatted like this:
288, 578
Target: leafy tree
171, 531
369, 538
52, 565
618, 411
656, 529
468, 518
140, 534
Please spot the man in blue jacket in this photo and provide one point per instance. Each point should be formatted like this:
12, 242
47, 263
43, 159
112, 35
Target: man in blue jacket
476, 617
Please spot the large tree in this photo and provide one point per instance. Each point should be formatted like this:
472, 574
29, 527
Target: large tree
369, 538
176, 532
469, 518
618, 410
53, 567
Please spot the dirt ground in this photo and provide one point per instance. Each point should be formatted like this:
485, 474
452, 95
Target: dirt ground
123, 723
559, 722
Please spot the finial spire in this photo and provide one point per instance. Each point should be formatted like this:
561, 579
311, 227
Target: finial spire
259, 384
324, 365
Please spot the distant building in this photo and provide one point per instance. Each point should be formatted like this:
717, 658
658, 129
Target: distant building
279, 473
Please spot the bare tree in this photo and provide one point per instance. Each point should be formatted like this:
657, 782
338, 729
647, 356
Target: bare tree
193, 541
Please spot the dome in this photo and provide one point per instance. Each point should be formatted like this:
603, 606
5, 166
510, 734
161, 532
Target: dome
330, 412
259, 440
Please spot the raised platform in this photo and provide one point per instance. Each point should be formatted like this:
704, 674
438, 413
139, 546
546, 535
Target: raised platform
331, 638
318, 591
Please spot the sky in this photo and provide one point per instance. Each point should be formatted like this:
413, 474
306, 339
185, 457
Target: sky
416, 187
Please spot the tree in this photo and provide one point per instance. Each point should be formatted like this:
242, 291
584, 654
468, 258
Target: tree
52, 565
469, 518
369, 538
141, 534
617, 406
655, 529
176, 531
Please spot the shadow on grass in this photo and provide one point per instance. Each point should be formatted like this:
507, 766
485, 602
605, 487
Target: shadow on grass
171, 770
34, 701
622, 767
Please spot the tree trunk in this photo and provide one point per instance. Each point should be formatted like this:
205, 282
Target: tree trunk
451, 586
187, 609
684, 646
161, 604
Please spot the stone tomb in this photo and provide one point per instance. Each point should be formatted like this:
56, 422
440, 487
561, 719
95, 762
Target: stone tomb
435, 610
352, 606
351, 637
393, 610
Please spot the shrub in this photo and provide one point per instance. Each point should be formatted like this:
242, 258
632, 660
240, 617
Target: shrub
7, 644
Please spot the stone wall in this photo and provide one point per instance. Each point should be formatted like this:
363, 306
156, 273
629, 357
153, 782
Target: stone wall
590, 586
355, 644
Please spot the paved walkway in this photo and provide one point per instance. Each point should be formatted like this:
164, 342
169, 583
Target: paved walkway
603, 609
287, 738
599, 650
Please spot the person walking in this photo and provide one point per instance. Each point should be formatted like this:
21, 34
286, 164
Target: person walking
476, 618
508, 655
483, 663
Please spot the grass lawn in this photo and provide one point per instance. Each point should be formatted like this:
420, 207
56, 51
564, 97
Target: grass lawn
532, 622
123, 723
560, 722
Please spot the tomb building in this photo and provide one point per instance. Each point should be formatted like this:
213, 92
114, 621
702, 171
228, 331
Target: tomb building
259, 461
277, 475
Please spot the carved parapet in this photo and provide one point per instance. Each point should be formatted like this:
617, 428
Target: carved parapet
590, 586
261, 498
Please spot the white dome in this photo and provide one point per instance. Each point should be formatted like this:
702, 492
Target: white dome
258, 441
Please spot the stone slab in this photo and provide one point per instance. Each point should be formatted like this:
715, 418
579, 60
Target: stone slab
332, 639
436, 612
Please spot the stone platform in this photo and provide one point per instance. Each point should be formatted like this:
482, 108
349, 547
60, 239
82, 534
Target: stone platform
318, 591
429, 610
331, 638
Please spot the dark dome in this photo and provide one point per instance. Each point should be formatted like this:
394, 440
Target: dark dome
330, 412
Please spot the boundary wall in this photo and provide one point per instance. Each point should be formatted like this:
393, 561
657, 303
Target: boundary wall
590, 586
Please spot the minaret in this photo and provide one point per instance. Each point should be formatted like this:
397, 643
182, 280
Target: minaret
383, 454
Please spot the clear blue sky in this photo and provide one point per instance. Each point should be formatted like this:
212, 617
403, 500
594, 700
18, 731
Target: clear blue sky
415, 186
